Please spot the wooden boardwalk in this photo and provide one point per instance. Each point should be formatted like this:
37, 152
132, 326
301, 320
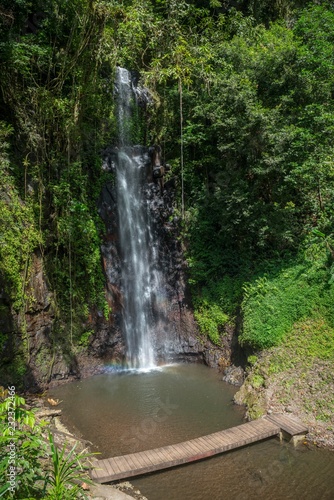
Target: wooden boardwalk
142, 462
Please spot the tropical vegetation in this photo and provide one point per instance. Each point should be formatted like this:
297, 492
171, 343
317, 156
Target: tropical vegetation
242, 104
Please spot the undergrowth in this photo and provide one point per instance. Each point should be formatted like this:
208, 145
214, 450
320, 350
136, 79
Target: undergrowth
273, 302
215, 305
277, 295
307, 341
297, 374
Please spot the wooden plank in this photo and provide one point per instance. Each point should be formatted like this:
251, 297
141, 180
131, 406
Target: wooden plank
221, 438
252, 428
184, 451
214, 438
206, 444
133, 461
143, 460
242, 441
107, 467
242, 432
97, 469
195, 446
154, 456
295, 426
259, 425
249, 433
151, 457
194, 449
288, 424
164, 458
246, 429
166, 452
103, 473
123, 464
177, 451
239, 430
191, 452
168, 455
266, 426
113, 464
97, 472
271, 422
224, 440
203, 448
129, 461
231, 436
174, 454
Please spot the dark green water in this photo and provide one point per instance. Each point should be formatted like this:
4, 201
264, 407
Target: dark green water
127, 412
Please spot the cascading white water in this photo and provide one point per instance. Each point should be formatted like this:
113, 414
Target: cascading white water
135, 237
125, 99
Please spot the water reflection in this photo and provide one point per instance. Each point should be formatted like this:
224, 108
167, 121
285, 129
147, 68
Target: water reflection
129, 411
264, 471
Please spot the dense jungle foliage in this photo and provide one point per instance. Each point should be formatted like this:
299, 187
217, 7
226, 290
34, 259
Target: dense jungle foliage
242, 104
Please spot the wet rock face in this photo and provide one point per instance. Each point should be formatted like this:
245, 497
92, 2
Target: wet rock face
27, 334
175, 330
31, 340
39, 313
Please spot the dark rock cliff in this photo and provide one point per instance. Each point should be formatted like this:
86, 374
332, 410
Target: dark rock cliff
37, 349
175, 329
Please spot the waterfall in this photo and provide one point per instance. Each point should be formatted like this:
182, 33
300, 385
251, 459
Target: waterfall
125, 98
137, 250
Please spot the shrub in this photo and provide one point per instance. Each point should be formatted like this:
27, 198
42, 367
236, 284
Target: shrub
274, 302
40, 469
210, 319
22, 446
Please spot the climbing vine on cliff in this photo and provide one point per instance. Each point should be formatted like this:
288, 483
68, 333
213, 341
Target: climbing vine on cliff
254, 80
57, 110
19, 235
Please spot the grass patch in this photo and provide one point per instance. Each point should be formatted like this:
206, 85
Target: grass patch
273, 303
308, 340
257, 381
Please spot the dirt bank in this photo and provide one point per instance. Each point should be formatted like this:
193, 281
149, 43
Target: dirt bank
281, 380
